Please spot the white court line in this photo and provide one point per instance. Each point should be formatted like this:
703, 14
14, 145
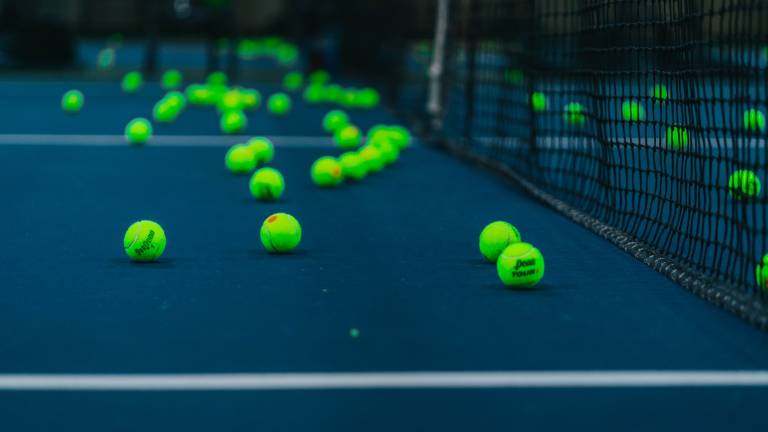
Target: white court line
159, 140
386, 380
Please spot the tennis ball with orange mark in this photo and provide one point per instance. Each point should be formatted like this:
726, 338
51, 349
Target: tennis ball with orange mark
327, 172
280, 233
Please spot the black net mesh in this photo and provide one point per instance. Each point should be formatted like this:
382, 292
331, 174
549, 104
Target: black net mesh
642, 118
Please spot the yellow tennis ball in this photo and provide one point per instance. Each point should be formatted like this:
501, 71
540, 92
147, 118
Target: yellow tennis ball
520, 265
240, 159
372, 157
352, 166
495, 237
267, 184
144, 241
262, 148
326, 172
280, 233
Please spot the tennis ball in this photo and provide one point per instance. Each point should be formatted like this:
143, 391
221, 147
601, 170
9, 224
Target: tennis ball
293, 81
520, 265
197, 94
138, 131
280, 233
761, 274
495, 237
132, 82
313, 93
72, 101
267, 184
348, 98
319, 77
144, 241
171, 79
743, 184
574, 114
217, 78
333, 93
538, 101
262, 148
231, 100
754, 120
660, 92
279, 104
233, 122
240, 159
164, 112
335, 120
176, 99
632, 111
389, 152
399, 136
250, 98
348, 137
368, 97
677, 138
326, 172
352, 166
372, 157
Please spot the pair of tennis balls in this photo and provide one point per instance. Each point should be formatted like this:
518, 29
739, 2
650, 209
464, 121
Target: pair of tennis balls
145, 240
518, 264
243, 158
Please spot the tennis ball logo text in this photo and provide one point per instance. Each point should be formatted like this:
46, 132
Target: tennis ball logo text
146, 244
521, 270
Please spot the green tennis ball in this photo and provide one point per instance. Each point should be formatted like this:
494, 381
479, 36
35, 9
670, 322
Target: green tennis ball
389, 152
574, 114
538, 101
72, 101
373, 158
138, 131
495, 237
132, 82
280, 233
520, 265
164, 112
326, 172
754, 120
319, 77
279, 104
176, 99
293, 81
348, 137
660, 92
171, 79
250, 98
761, 274
240, 159
262, 148
677, 138
313, 94
348, 98
743, 184
399, 136
632, 111
198, 94
144, 241
368, 97
333, 93
335, 120
267, 184
217, 78
231, 100
352, 166
233, 122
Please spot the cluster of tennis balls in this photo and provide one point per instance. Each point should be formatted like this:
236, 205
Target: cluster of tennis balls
266, 184
285, 53
382, 147
320, 90
518, 264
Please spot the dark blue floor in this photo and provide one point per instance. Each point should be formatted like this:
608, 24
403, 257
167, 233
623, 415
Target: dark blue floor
394, 256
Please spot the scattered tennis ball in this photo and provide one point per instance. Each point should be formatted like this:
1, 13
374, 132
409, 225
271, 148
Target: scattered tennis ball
333, 93
632, 111
233, 122
144, 241
293, 81
348, 137
520, 265
368, 97
198, 94
164, 112
279, 104
389, 152
313, 94
335, 120
231, 100
538, 101
263, 149
399, 136
240, 159
217, 78
72, 101
495, 237
267, 184
372, 157
574, 114
754, 120
280, 233
250, 98
171, 79
319, 77
132, 82
660, 92
138, 131
761, 274
677, 138
176, 99
352, 166
326, 172
743, 184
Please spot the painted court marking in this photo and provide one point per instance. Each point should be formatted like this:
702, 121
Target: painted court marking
386, 380
158, 140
